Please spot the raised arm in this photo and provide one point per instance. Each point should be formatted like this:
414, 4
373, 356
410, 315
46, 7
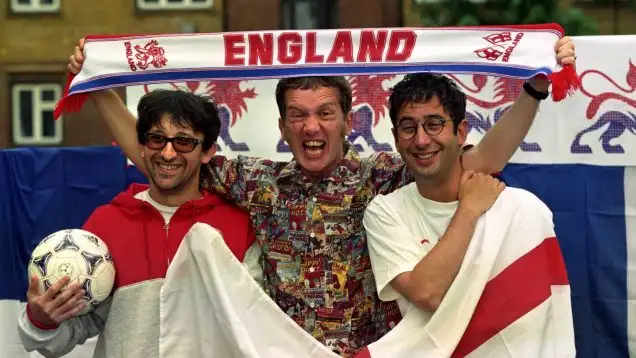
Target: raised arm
121, 123
400, 264
500, 143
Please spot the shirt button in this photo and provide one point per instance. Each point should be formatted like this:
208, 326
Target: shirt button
312, 234
314, 199
311, 305
311, 269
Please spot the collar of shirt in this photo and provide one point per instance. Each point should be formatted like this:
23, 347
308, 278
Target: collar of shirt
348, 171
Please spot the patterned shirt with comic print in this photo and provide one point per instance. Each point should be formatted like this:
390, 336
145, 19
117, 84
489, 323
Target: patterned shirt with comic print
315, 258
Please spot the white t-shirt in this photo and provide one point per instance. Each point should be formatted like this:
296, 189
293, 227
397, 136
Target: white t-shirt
252, 257
402, 227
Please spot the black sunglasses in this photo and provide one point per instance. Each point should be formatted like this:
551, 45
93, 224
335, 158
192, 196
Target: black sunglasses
180, 144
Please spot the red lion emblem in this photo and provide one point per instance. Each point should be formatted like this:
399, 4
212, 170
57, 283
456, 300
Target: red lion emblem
622, 94
506, 90
368, 90
150, 54
230, 94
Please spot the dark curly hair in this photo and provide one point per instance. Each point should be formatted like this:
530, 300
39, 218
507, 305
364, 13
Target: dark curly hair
422, 87
185, 109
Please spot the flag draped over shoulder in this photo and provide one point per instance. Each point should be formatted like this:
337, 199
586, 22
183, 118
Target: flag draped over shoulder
520, 51
511, 298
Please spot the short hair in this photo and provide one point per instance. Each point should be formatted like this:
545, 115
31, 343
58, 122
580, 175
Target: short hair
422, 87
185, 109
312, 83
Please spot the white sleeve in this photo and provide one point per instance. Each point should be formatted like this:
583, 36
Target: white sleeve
70, 333
392, 247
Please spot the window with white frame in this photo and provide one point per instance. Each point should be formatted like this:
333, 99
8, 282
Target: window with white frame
309, 14
33, 106
174, 4
35, 6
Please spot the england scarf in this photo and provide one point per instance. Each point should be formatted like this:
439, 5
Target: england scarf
511, 298
521, 51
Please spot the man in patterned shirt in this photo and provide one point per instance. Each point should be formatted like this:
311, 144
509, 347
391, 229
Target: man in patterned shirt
307, 213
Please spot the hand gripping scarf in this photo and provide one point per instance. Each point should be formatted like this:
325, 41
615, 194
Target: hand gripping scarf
521, 51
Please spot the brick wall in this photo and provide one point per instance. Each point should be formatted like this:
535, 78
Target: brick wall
365, 13
244, 15
37, 46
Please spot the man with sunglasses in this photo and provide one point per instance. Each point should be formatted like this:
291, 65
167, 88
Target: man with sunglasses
143, 228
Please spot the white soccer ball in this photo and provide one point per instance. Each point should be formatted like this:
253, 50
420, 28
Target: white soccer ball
81, 256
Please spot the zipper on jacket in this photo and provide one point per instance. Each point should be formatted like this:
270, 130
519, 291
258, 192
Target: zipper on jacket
167, 227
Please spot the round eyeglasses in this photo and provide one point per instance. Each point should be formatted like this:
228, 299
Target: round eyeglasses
180, 144
407, 129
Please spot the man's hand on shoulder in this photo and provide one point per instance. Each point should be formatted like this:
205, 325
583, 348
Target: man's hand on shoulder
478, 192
427, 283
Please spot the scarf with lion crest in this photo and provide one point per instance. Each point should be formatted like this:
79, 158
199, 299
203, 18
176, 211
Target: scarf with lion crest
520, 51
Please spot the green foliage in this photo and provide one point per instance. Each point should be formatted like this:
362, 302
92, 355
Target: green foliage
507, 12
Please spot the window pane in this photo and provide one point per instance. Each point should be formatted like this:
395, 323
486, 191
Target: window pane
46, 2
199, 1
325, 13
287, 15
26, 113
47, 96
48, 124
309, 14
24, 2
175, 1
305, 15
151, 1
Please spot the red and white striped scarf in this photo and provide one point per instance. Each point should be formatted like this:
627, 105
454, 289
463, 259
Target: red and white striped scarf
521, 51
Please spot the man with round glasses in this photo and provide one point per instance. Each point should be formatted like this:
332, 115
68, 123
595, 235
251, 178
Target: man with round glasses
415, 252
143, 228
418, 235
432, 125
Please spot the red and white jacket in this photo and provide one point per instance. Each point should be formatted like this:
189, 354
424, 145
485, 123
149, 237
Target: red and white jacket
142, 246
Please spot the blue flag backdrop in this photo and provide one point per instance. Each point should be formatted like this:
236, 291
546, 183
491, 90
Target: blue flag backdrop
594, 205
45, 190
